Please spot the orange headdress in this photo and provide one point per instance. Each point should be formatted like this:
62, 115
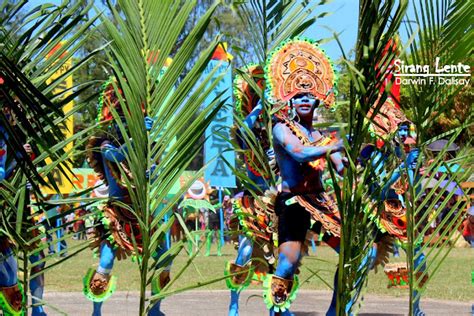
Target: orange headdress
389, 116
299, 66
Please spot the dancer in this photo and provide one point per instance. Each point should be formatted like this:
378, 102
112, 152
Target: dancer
12, 299
394, 162
118, 228
300, 73
255, 217
389, 200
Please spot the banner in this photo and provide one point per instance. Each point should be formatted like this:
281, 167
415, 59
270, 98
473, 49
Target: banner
81, 178
217, 149
62, 182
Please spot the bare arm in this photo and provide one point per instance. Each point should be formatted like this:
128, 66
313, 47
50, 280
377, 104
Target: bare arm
248, 124
250, 120
299, 152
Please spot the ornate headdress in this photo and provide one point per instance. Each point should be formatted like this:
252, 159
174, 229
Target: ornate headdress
246, 98
108, 98
297, 66
390, 116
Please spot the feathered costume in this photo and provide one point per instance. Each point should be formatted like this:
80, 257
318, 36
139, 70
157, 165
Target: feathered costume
295, 67
253, 214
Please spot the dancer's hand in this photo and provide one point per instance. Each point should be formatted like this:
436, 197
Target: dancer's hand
150, 171
412, 158
345, 162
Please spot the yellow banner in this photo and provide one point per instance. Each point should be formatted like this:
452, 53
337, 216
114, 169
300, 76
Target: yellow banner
62, 182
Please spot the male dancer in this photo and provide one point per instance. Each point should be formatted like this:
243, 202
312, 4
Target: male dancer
393, 155
11, 294
301, 74
254, 216
114, 236
392, 215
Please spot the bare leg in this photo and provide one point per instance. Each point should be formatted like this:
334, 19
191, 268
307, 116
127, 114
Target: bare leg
107, 258
164, 277
243, 256
288, 260
37, 285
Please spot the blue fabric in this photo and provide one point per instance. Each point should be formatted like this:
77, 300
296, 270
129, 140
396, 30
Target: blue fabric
8, 270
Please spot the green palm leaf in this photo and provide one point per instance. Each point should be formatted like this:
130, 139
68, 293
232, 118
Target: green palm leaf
444, 32
27, 62
172, 98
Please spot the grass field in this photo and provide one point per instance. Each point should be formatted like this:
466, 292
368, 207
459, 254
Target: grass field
451, 282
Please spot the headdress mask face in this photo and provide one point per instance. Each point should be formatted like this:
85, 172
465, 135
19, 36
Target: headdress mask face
299, 66
304, 103
403, 132
110, 100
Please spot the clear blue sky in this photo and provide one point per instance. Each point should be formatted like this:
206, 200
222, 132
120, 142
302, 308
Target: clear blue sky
342, 20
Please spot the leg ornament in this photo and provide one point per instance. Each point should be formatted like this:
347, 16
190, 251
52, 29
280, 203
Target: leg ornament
238, 277
12, 300
279, 293
98, 287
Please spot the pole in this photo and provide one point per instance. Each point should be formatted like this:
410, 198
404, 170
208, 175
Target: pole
221, 216
168, 233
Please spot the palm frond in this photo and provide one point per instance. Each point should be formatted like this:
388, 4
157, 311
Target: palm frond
138, 33
443, 32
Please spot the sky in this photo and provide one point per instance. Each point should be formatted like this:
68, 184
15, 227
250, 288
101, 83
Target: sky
342, 19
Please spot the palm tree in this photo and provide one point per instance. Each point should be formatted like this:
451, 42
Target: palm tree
441, 23
32, 51
142, 30
267, 24
441, 32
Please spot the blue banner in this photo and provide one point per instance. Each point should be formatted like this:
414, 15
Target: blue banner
217, 147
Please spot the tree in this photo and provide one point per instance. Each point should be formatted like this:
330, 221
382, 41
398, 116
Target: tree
30, 54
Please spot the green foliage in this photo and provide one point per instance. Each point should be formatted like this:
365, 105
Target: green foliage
436, 26
444, 32
266, 25
172, 99
28, 60
378, 23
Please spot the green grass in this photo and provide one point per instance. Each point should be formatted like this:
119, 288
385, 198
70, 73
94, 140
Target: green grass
452, 281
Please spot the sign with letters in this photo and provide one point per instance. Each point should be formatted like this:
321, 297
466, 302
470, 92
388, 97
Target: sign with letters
217, 149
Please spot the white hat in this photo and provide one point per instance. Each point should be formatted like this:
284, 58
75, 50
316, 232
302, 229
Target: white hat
101, 190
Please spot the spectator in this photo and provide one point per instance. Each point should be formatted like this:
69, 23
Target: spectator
468, 231
79, 224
